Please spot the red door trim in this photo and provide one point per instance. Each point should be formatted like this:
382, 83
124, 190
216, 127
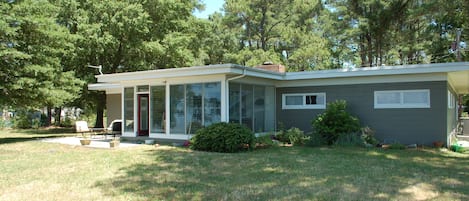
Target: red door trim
139, 130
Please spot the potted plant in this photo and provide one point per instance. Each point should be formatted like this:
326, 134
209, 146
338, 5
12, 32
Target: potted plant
114, 143
85, 140
438, 144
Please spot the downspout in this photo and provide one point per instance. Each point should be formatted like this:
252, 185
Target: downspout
237, 77
227, 92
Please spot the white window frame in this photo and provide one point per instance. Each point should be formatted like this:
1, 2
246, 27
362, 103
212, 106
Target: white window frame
401, 104
303, 105
451, 100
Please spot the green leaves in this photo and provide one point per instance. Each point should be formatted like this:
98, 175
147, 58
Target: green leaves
32, 47
335, 121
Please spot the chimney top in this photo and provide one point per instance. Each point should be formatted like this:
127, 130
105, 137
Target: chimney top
270, 66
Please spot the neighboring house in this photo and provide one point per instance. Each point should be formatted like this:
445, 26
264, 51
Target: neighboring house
407, 104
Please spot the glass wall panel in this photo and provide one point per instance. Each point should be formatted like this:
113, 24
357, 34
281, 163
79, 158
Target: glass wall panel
259, 108
252, 106
247, 111
234, 101
193, 108
177, 109
158, 106
212, 103
129, 109
269, 124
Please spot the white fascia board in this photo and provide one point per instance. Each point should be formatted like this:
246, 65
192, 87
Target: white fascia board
363, 80
103, 86
167, 73
379, 71
189, 71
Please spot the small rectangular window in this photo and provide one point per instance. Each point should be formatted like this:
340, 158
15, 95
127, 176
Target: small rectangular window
451, 100
143, 88
304, 101
402, 99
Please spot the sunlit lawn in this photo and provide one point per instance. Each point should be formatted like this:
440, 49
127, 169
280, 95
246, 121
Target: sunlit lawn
34, 170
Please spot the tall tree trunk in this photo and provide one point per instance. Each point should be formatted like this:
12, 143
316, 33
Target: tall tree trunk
58, 112
101, 104
49, 116
369, 49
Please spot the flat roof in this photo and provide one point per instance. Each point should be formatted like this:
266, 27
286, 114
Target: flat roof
458, 73
381, 70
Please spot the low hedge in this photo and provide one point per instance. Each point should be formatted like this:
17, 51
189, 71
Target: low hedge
223, 137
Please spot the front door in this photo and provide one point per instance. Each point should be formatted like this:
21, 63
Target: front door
143, 114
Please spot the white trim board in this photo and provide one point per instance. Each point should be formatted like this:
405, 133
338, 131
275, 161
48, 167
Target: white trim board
364, 80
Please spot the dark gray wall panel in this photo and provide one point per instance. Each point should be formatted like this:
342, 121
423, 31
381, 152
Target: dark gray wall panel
421, 126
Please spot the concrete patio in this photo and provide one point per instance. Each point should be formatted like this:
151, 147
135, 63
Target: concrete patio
95, 142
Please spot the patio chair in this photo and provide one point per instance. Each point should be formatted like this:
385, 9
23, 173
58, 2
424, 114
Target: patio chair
82, 127
115, 128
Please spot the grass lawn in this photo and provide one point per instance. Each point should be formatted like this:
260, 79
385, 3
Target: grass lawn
34, 170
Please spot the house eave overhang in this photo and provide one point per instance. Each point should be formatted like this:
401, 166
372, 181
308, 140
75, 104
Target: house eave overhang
380, 71
457, 74
188, 72
103, 86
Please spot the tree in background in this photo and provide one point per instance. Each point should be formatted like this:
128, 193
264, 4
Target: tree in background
33, 73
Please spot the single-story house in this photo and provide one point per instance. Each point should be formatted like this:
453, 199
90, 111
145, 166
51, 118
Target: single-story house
407, 104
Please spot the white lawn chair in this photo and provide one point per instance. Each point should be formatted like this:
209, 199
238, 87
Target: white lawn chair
82, 127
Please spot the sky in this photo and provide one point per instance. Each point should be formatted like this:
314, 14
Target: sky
211, 6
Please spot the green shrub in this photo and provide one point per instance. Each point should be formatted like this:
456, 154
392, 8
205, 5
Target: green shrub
315, 140
349, 139
3, 123
335, 121
368, 135
293, 136
223, 137
396, 145
23, 120
265, 141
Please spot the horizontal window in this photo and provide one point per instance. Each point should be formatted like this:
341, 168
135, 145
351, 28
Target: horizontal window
304, 101
402, 99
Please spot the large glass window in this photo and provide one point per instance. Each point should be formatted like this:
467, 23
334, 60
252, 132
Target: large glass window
178, 109
235, 102
158, 106
194, 106
212, 103
252, 106
129, 109
259, 108
247, 106
402, 99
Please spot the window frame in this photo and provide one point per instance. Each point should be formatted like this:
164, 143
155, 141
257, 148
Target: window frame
303, 105
401, 103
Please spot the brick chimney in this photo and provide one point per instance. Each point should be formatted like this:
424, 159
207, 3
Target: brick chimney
272, 67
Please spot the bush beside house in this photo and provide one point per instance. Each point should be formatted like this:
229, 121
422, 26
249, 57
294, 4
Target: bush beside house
223, 137
335, 121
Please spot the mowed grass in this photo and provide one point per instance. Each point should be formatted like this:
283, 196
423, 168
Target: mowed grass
35, 170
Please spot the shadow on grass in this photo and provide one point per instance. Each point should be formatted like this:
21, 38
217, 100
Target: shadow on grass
294, 173
23, 135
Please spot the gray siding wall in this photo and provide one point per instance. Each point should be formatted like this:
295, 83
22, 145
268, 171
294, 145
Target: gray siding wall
114, 107
421, 126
